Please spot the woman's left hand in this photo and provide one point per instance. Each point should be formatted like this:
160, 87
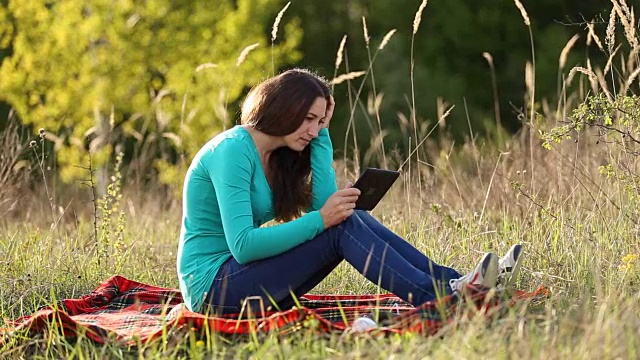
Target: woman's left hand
331, 104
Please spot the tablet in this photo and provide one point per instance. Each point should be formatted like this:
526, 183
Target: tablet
373, 184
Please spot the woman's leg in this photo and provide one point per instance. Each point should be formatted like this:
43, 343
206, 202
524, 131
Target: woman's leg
272, 279
303, 267
405, 249
383, 264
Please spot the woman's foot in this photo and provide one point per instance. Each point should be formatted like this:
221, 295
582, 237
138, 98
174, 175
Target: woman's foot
509, 266
485, 274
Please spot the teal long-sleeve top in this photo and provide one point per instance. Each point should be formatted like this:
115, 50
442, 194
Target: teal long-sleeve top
226, 199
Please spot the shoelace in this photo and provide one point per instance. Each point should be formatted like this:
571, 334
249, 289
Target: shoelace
453, 283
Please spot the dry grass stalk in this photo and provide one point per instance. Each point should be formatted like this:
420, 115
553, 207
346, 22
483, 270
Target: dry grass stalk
595, 37
441, 105
374, 102
591, 74
523, 12
528, 77
245, 52
494, 85
567, 48
386, 38
603, 83
276, 23
607, 67
444, 116
12, 169
632, 60
340, 54
593, 81
365, 31
346, 77
627, 18
418, 18
631, 78
206, 66
488, 57
611, 31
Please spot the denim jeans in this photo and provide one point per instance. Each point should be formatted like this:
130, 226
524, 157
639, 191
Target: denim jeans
373, 250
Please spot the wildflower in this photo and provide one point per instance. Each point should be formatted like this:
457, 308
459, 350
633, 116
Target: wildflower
33, 143
42, 133
628, 261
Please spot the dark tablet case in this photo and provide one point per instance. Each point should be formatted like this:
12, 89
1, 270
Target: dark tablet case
374, 184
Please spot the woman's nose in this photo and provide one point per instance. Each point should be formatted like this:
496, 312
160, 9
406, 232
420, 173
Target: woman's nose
313, 130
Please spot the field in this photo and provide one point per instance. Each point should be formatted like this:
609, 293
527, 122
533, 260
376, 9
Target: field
574, 205
578, 239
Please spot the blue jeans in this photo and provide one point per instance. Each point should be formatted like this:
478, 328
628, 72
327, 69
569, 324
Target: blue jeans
373, 250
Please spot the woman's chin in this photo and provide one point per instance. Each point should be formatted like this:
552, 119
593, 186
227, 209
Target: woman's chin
297, 147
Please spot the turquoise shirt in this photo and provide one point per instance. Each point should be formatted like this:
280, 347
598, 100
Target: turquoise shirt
226, 198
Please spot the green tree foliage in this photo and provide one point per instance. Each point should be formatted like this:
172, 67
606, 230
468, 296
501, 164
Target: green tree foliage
99, 74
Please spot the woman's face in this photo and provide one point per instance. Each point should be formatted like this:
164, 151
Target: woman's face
311, 125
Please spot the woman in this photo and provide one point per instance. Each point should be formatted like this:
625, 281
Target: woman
278, 165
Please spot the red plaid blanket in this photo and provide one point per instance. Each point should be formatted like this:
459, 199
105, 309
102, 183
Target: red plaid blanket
127, 310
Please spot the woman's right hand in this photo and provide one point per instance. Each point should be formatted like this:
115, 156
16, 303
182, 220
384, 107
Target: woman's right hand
339, 206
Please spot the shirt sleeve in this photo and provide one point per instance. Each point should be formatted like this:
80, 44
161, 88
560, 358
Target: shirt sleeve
323, 176
230, 169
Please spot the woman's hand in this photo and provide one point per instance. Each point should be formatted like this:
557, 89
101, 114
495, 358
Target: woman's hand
339, 206
331, 105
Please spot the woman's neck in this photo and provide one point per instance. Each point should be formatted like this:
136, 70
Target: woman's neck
265, 144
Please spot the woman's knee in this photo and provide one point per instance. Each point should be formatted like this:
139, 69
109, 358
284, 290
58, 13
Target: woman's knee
355, 218
353, 222
366, 217
361, 213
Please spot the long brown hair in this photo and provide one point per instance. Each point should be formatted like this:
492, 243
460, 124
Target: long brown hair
277, 107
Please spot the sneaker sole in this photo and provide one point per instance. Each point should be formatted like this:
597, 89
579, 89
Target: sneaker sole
489, 270
512, 275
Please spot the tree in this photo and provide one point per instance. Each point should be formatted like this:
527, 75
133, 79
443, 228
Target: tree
100, 74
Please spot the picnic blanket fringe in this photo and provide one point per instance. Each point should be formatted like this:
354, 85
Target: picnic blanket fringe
131, 312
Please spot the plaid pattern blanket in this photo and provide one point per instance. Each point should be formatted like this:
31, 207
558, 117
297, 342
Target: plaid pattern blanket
128, 311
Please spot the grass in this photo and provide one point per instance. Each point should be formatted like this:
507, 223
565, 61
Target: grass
581, 254
579, 229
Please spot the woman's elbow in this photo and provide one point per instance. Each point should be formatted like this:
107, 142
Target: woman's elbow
241, 257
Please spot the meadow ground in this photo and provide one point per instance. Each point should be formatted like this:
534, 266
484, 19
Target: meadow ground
578, 229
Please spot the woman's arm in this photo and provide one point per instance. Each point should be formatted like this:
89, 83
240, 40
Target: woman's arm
323, 176
230, 169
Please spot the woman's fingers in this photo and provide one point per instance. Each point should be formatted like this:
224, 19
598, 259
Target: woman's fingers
347, 206
329, 112
351, 202
347, 200
350, 191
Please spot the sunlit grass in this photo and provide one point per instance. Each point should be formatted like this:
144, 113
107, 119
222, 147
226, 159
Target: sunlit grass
592, 271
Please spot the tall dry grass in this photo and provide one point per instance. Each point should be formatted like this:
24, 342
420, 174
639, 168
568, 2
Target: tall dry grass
453, 201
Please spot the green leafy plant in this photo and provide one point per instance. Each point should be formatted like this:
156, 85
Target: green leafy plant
156, 76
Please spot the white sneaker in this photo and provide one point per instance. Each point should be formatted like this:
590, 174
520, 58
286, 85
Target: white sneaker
485, 274
509, 266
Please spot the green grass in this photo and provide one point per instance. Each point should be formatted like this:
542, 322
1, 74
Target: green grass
593, 310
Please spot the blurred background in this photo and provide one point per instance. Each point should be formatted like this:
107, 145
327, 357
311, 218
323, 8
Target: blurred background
156, 79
